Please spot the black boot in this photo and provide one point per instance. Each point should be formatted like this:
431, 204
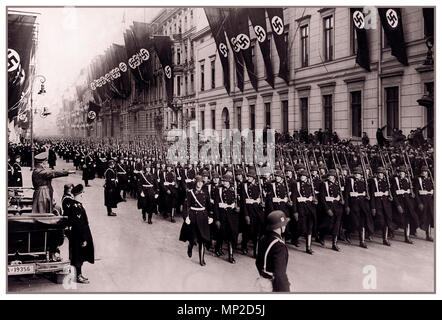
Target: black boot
385, 235
335, 244
201, 250
407, 235
231, 258
189, 250
172, 217
149, 218
144, 215
308, 244
428, 236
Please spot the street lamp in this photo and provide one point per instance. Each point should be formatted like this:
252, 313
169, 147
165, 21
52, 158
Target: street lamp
42, 91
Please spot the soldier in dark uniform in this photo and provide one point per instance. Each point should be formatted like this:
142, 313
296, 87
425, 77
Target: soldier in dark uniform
277, 196
272, 257
305, 209
195, 228
88, 169
331, 202
43, 201
251, 203
358, 206
66, 199
380, 203
52, 158
226, 217
17, 177
81, 246
10, 173
403, 199
147, 193
169, 186
122, 175
424, 190
111, 195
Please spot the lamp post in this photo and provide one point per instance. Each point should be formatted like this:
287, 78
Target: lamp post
42, 90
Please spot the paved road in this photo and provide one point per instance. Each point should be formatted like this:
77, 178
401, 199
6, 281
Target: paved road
132, 256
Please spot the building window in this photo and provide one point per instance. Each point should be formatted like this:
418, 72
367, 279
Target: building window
178, 86
304, 46
202, 120
304, 113
192, 114
238, 118
285, 116
328, 112
213, 120
178, 56
202, 76
353, 37
191, 50
356, 114
268, 115
429, 90
185, 53
392, 103
328, 38
186, 85
252, 117
212, 73
192, 85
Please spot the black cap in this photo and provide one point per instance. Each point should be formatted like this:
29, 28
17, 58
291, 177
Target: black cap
77, 189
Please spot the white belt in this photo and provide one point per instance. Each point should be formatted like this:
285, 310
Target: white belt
331, 199
225, 205
425, 192
381, 194
400, 192
252, 201
316, 192
188, 180
147, 185
169, 183
275, 199
342, 188
357, 194
305, 199
197, 209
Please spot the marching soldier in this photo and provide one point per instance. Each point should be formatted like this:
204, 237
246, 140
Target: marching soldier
195, 228
403, 199
251, 202
358, 206
147, 193
226, 217
380, 203
123, 179
332, 209
111, 194
304, 209
17, 177
424, 187
169, 187
277, 196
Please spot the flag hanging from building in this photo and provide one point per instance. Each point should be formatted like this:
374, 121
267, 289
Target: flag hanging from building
93, 112
359, 24
245, 44
230, 26
276, 18
131, 51
163, 47
20, 52
118, 54
24, 119
143, 43
216, 23
258, 18
391, 19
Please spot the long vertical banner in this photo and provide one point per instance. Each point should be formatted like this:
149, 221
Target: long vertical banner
391, 19
231, 31
363, 54
20, 51
216, 23
276, 18
163, 47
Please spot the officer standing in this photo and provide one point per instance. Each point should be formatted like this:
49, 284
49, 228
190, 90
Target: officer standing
272, 257
81, 246
147, 193
111, 195
17, 176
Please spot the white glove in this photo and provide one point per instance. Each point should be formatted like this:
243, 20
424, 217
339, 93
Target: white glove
142, 194
210, 220
187, 220
156, 196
